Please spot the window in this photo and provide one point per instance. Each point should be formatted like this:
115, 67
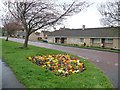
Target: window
108, 40
96, 40
82, 40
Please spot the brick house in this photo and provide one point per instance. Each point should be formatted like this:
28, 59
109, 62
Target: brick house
101, 37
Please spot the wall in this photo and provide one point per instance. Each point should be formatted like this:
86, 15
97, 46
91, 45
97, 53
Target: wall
96, 44
116, 42
73, 40
108, 45
42, 35
88, 41
76, 40
51, 39
33, 37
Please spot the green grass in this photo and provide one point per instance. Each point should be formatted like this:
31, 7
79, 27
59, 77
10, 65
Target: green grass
33, 76
90, 47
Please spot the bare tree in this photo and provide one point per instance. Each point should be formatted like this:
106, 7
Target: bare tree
10, 25
5, 21
110, 12
39, 14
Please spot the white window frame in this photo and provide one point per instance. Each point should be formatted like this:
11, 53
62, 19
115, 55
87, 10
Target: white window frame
82, 40
108, 40
96, 40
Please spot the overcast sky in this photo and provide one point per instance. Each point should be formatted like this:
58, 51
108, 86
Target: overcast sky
89, 17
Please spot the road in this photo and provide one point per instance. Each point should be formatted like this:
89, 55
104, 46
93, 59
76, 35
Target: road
106, 61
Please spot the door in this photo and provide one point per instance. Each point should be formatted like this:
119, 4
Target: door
62, 40
103, 42
56, 40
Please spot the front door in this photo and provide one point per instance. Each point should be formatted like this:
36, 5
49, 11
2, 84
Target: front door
56, 40
62, 40
103, 42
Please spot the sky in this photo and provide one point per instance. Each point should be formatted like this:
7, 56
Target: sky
89, 17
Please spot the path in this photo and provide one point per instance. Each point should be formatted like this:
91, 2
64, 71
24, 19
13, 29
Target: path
8, 78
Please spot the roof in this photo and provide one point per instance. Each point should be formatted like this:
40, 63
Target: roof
46, 32
37, 33
21, 33
88, 32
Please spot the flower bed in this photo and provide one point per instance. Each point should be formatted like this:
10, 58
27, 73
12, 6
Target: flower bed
60, 65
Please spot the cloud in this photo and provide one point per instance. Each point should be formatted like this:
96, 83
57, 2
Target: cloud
89, 17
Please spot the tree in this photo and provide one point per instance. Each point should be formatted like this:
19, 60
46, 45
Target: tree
39, 14
110, 12
10, 25
6, 20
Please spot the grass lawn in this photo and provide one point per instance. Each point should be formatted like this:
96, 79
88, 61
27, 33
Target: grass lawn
33, 76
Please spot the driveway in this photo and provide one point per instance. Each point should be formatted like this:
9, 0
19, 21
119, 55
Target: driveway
106, 61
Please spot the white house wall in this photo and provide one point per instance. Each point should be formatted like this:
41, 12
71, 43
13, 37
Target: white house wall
116, 42
73, 40
88, 41
51, 39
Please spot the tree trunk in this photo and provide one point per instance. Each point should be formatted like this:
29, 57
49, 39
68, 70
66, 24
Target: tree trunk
7, 37
25, 45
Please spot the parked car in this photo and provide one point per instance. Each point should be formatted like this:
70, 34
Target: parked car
45, 40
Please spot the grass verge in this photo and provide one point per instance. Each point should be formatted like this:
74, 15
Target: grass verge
90, 47
33, 76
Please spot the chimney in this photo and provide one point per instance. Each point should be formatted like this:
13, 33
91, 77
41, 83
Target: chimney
83, 27
64, 27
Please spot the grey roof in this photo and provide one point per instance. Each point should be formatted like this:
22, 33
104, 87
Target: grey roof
88, 32
46, 32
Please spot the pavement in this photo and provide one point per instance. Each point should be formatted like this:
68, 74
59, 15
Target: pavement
106, 61
8, 78
0, 75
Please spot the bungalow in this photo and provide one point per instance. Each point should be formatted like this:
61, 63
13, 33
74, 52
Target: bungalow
34, 36
101, 37
44, 34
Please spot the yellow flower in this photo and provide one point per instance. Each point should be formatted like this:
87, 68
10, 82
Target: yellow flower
74, 61
62, 63
61, 68
81, 64
70, 66
50, 56
70, 71
44, 66
73, 72
47, 62
29, 58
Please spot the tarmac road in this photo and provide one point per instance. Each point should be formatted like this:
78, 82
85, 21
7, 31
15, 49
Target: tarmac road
106, 61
